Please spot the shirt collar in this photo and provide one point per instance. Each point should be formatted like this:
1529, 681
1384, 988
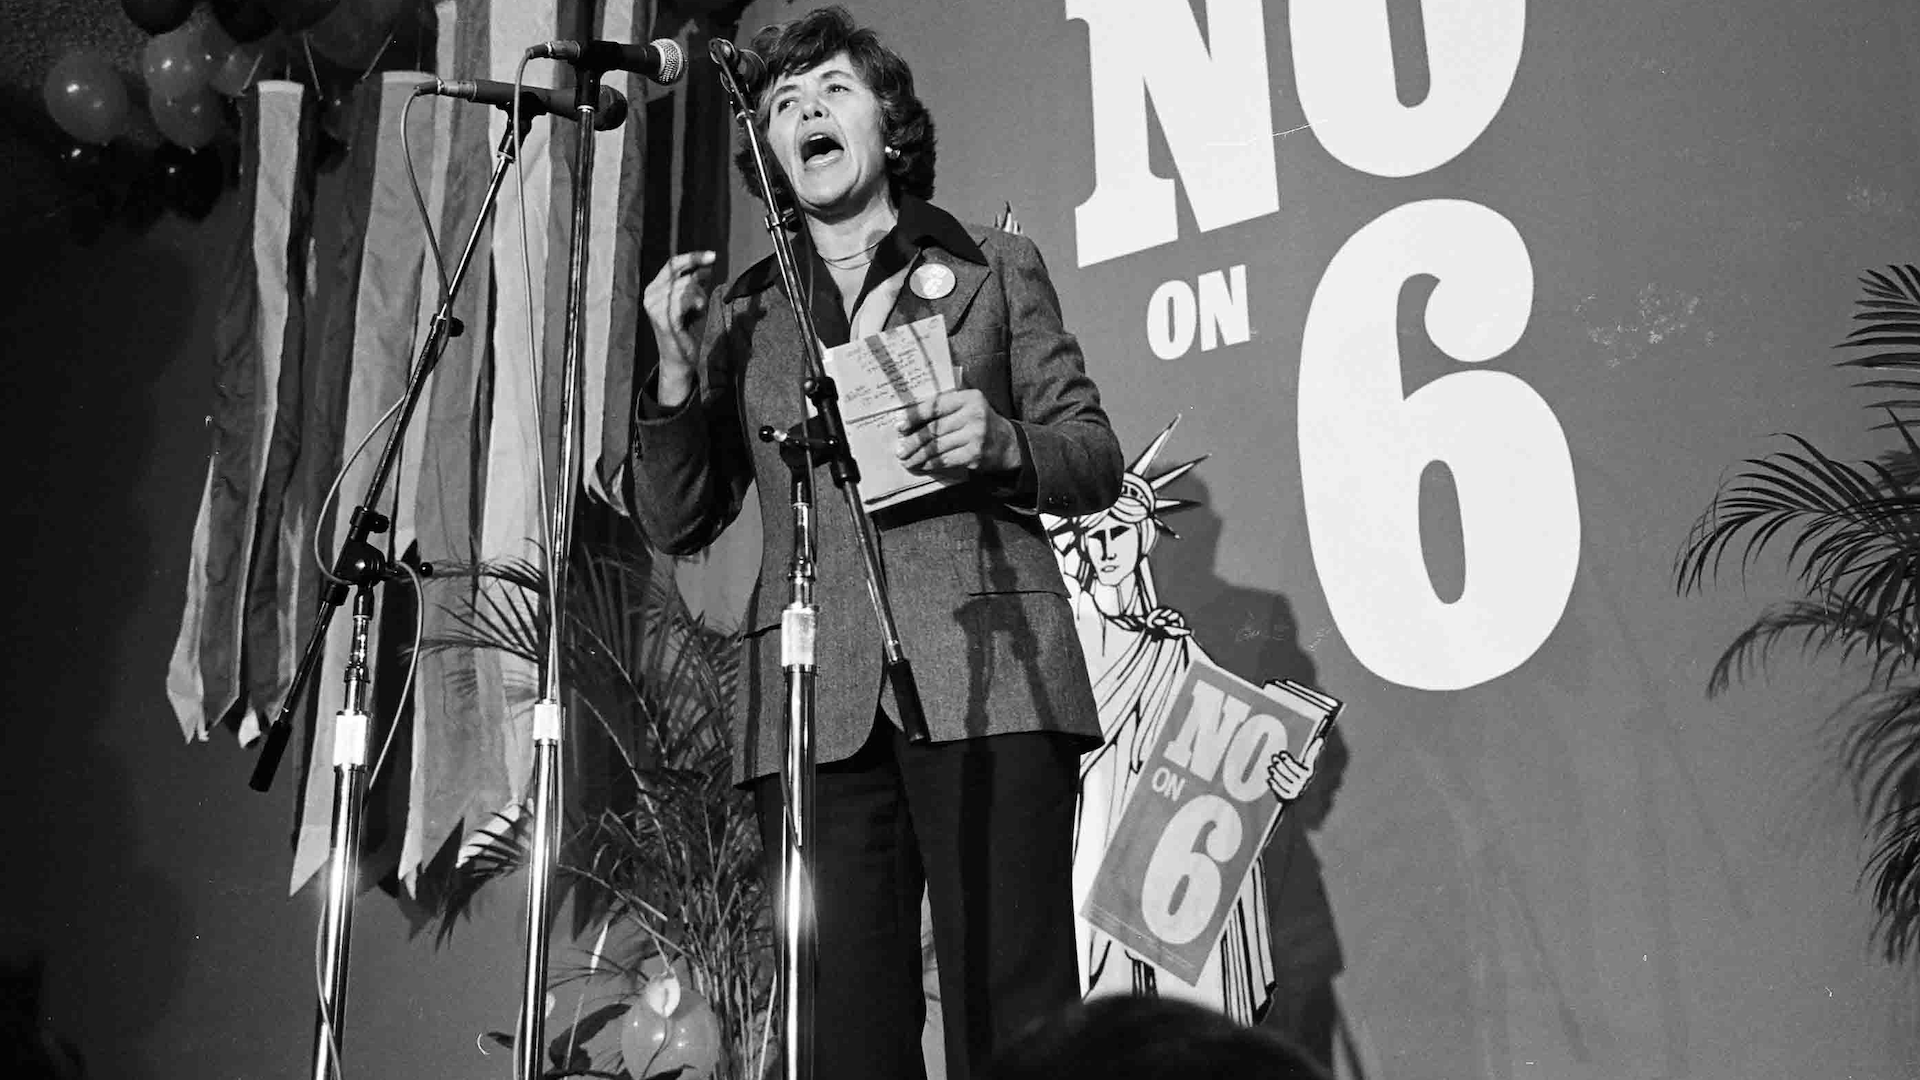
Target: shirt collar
923, 223
920, 225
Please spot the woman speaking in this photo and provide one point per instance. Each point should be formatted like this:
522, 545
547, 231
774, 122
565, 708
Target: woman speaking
982, 815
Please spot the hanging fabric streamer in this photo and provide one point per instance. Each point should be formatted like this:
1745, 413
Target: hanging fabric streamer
613, 269
258, 334
370, 333
459, 766
331, 298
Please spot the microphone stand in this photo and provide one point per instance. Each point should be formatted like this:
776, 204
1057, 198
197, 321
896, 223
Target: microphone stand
798, 943
361, 566
548, 712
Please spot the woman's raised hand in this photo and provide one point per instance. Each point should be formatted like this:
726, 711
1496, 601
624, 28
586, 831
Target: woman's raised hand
674, 300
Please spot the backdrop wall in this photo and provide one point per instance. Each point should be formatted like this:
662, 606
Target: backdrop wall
1575, 866
1588, 257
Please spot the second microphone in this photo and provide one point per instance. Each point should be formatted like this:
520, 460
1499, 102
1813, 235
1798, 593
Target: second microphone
610, 113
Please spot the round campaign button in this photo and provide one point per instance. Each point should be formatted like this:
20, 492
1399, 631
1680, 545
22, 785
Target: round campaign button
932, 281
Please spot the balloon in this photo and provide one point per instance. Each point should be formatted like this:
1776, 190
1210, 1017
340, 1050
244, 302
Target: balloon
243, 20
157, 16
336, 110
662, 994
350, 36
81, 163
246, 64
641, 1037
86, 97
670, 1027
176, 62
386, 12
337, 98
215, 42
335, 107
190, 180
138, 205
294, 15
190, 120
139, 131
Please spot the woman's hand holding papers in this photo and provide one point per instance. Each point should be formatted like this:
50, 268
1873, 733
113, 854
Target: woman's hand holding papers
957, 429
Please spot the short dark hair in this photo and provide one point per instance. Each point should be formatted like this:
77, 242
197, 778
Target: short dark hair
905, 124
1123, 1037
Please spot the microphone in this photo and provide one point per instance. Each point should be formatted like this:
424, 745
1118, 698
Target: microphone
659, 60
534, 100
747, 66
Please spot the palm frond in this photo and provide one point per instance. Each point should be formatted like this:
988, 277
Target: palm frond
1889, 318
1894, 872
1881, 749
506, 612
566, 1058
494, 850
1849, 535
1902, 465
671, 854
1815, 625
1849, 531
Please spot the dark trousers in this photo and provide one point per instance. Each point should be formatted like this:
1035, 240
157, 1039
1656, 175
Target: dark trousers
986, 825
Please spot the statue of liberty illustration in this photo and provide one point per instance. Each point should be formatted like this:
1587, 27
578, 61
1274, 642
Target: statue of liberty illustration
1138, 650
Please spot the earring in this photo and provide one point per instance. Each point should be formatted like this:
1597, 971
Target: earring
893, 153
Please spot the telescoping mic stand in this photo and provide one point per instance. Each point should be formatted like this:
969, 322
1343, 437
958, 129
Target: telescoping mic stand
360, 566
797, 942
661, 62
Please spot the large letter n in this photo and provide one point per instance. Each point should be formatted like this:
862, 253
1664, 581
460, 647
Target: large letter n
1213, 104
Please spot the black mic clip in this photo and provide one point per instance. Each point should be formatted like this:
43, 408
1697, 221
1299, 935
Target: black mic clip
798, 440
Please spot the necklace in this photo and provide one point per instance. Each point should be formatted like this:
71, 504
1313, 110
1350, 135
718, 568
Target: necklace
846, 262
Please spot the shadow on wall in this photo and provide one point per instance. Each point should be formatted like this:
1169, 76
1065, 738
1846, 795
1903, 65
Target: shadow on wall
92, 333
147, 878
1253, 633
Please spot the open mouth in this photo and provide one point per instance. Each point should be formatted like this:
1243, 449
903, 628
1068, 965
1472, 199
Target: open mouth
820, 148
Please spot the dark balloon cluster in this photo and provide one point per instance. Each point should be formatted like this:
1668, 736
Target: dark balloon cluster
157, 133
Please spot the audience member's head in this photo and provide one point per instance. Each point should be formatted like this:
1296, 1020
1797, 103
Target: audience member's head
1144, 1038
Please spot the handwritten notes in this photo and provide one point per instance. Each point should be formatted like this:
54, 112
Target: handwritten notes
878, 377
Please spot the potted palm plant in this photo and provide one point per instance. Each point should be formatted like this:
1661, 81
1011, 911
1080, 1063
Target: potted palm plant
661, 858
1850, 536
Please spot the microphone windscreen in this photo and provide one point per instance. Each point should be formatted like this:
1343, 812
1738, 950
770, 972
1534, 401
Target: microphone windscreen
752, 69
613, 110
673, 61
745, 64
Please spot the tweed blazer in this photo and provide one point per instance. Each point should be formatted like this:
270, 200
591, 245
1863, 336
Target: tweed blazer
977, 595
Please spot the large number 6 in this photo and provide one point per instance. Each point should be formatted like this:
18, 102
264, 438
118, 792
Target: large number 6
1175, 917
1364, 443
